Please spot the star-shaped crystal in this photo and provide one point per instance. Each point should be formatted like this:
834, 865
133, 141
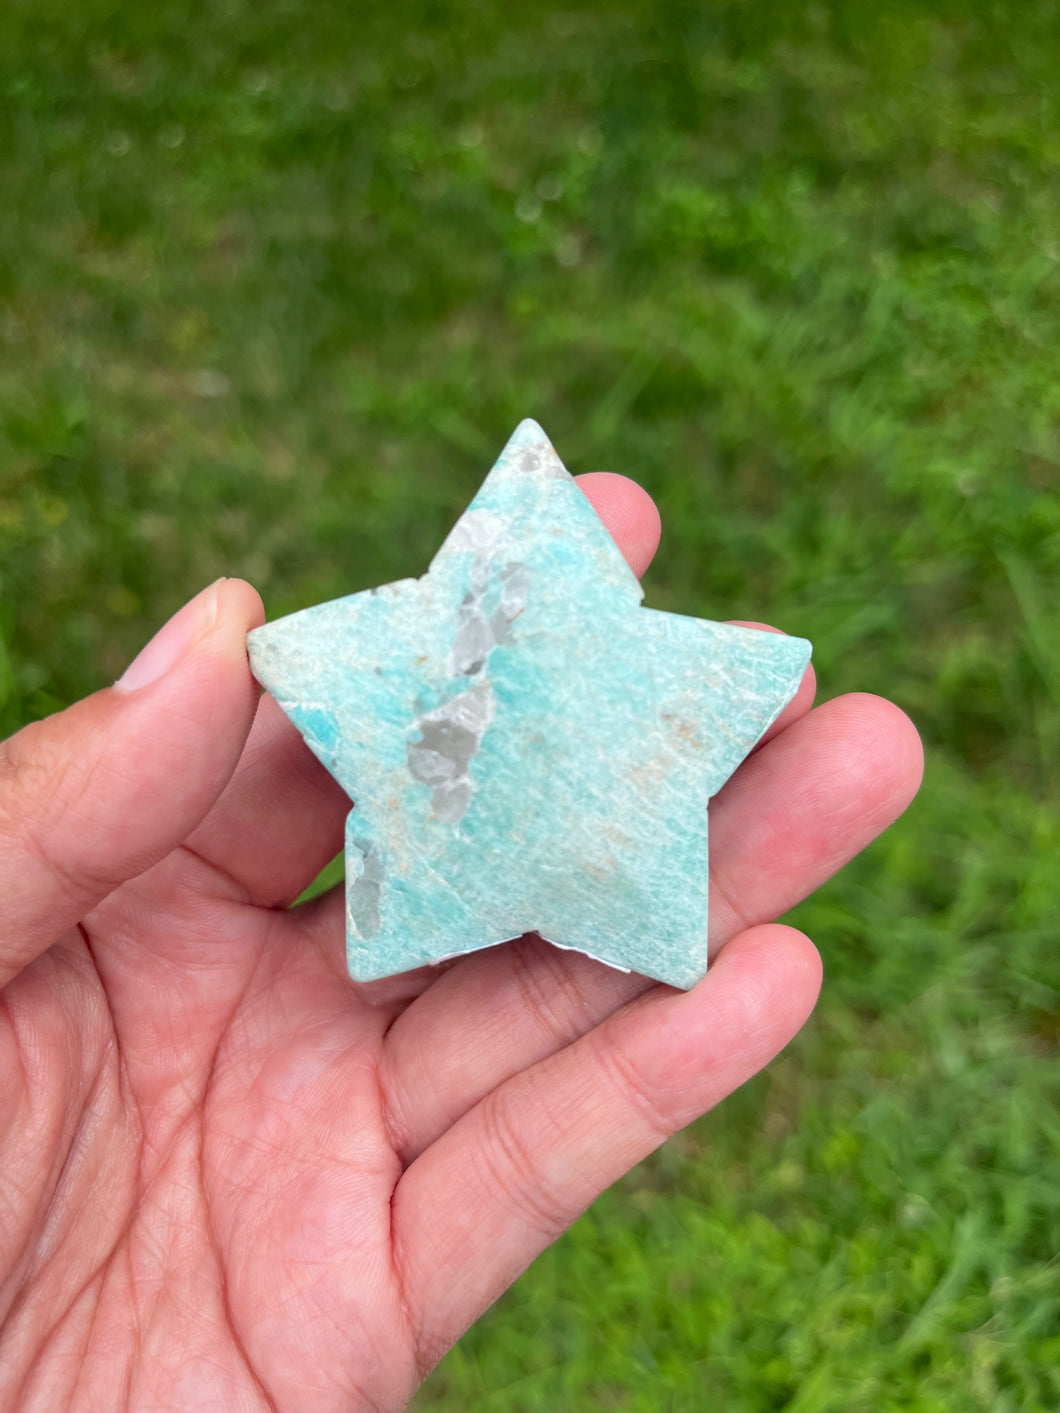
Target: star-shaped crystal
527, 748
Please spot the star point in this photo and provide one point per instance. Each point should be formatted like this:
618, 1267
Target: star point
528, 748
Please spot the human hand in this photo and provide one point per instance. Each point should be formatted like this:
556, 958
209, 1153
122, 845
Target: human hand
232, 1178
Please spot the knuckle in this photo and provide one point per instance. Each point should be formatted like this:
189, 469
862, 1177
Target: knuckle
510, 1167
634, 1090
41, 786
549, 991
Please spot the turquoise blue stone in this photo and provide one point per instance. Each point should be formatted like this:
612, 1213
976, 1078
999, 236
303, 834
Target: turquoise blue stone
528, 748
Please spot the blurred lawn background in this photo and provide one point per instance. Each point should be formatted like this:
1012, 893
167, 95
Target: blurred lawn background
276, 281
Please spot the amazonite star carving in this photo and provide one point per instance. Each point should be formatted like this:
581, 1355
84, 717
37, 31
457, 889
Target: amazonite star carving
528, 748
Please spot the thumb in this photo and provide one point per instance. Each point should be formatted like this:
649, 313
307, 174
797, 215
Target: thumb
96, 794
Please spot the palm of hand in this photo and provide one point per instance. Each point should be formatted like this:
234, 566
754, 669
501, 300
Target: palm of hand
232, 1178
207, 1165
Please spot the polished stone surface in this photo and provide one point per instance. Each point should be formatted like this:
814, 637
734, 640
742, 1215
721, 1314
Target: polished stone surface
529, 749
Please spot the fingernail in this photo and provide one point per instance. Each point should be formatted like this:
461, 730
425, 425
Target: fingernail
172, 641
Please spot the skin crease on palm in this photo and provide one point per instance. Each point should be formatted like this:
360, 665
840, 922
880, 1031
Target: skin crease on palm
231, 1178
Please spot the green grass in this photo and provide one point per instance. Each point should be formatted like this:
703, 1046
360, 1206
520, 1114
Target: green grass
276, 281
